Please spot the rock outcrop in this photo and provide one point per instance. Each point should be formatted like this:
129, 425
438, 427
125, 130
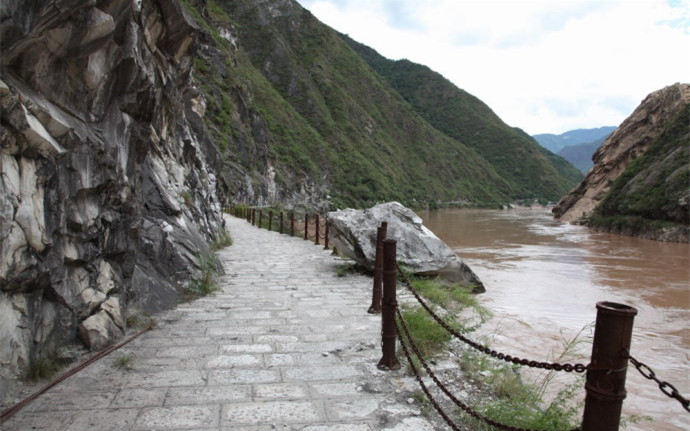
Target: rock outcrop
107, 184
353, 233
655, 187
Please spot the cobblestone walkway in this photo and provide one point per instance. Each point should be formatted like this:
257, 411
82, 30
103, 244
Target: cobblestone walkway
286, 344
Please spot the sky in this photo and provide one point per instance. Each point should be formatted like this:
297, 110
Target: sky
543, 66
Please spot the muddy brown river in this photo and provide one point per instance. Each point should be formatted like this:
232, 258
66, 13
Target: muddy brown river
544, 278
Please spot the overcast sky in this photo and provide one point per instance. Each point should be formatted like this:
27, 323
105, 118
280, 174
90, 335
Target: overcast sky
544, 66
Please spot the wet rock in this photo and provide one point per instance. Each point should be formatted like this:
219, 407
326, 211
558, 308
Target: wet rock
353, 233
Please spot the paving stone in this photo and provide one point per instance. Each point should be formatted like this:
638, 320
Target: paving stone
320, 373
361, 408
280, 360
280, 412
165, 379
280, 390
248, 348
231, 361
338, 427
166, 418
208, 395
222, 377
71, 401
139, 398
336, 389
284, 345
104, 420
40, 421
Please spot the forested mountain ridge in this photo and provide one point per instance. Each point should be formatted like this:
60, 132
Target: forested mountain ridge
528, 168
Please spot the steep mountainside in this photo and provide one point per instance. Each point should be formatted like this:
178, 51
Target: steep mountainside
580, 155
528, 169
640, 182
364, 142
556, 143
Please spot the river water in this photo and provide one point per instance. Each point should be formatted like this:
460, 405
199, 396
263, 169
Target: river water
544, 278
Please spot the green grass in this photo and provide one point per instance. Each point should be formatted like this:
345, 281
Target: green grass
454, 296
429, 336
124, 361
222, 240
204, 283
524, 403
43, 368
141, 321
344, 270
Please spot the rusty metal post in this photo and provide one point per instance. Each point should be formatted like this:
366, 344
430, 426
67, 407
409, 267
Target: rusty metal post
281, 222
375, 307
318, 231
292, 223
605, 385
389, 333
270, 220
306, 226
325, 240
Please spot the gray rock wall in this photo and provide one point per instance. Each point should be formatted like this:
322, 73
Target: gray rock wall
107, 190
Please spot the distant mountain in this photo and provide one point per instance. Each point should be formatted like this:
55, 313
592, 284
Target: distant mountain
580, 155
556, 143
640, 182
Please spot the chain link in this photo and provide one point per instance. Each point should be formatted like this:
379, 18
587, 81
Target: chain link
467, 409
555, 366
668, 389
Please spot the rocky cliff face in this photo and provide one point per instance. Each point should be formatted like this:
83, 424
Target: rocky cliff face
107, 184
640, 171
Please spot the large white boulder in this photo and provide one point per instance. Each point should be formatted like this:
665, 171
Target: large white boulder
353, 233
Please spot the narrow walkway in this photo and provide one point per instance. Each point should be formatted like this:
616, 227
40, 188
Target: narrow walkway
286, 345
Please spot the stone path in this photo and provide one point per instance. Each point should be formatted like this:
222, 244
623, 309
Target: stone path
286, 344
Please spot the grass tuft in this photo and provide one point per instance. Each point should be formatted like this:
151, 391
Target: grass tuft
205, 282
42, 368
124, 362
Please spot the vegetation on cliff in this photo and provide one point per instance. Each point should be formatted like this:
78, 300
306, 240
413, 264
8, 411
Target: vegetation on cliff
653, 192
290, 103
640, 182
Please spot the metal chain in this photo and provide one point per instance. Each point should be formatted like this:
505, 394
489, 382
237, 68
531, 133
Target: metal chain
578, 368
433, 402
668, 389
467, 409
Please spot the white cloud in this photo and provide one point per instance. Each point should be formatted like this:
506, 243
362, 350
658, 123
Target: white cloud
544, 66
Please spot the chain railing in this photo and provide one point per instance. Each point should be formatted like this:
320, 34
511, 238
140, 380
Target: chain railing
606, 372
668, 389
314, 227
605, 381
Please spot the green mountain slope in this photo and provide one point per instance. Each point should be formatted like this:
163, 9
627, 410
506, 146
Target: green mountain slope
299, 116
530, 170
365, 143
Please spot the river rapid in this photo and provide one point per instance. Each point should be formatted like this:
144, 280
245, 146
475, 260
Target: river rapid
544, 278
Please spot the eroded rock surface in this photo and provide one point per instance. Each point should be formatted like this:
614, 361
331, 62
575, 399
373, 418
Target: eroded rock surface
107, 188
353, 233
629, 141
